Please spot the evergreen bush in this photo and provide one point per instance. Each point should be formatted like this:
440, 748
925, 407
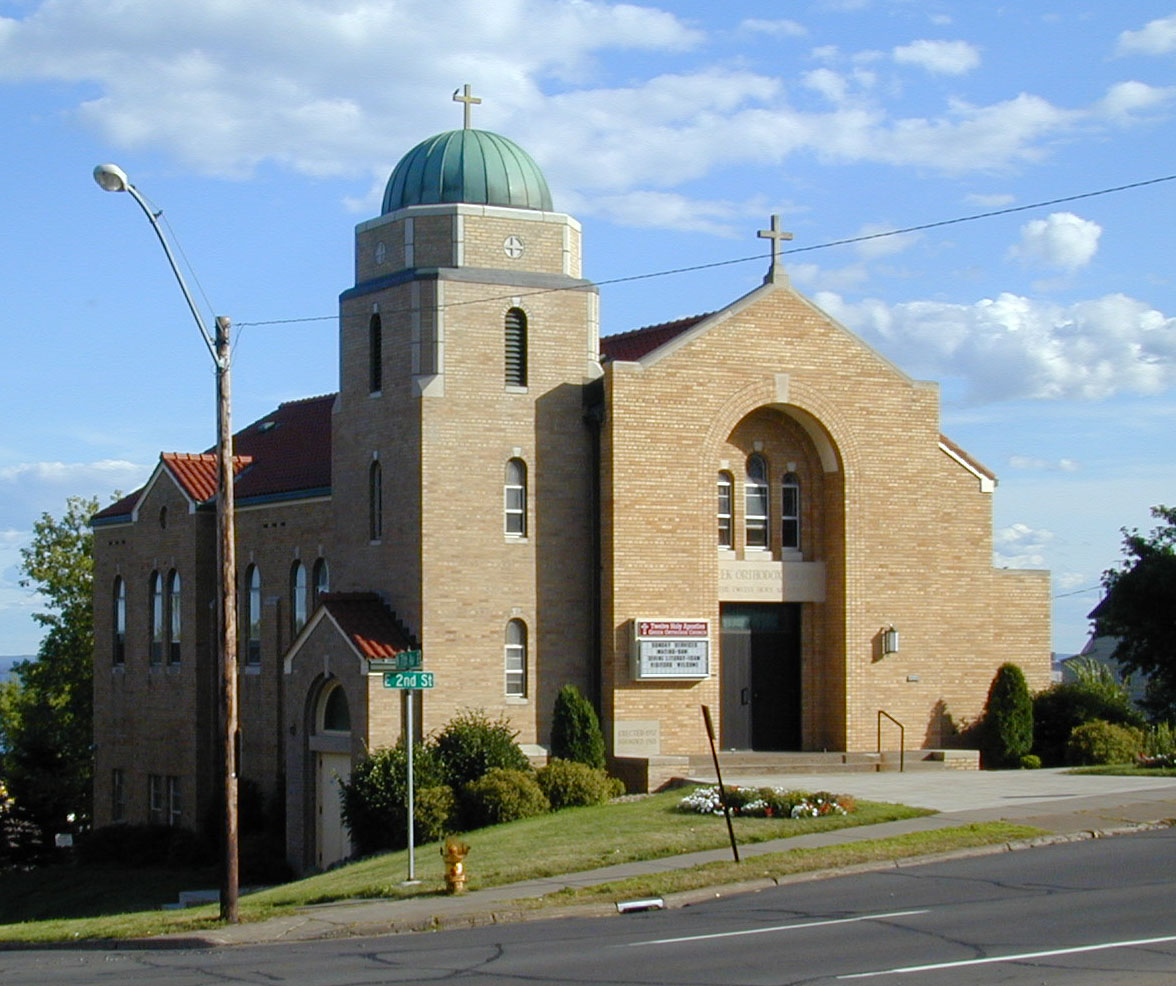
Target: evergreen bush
575, 729
1008, 717
502, 795
571, 784
375, 798
1101, 742
472, 743
1060, 708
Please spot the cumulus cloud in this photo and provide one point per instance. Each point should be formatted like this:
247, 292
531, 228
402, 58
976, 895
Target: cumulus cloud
1036, 463
939, 57
1012, 347
1127, 101
1157, 37
993, 201
666, 210
1062, 240
776, 28
1021, 546
28, 489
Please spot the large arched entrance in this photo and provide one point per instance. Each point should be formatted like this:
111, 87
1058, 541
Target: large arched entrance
330, 748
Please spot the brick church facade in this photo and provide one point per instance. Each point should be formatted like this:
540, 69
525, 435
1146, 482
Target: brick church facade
731, 510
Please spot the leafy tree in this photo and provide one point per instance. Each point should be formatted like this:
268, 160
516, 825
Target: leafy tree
47, 721
1008, 716
1139, 609
575, 729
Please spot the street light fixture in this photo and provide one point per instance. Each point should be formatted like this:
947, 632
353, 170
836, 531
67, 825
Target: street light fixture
112, 178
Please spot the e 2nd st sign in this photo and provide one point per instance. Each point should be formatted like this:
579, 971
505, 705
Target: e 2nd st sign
408, 679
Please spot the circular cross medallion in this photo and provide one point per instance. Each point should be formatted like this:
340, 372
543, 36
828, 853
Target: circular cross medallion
512, 246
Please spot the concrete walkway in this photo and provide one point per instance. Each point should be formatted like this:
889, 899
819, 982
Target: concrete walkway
1070, 806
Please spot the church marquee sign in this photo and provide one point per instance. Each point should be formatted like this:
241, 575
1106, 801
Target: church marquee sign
668, 649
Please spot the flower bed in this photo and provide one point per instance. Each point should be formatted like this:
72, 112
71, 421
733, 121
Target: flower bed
767, 802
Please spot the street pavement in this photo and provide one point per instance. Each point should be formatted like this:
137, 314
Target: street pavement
1068, 806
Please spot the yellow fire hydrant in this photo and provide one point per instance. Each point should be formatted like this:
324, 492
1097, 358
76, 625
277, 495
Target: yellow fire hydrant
454, 852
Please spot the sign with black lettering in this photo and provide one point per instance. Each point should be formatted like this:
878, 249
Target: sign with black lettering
670, 649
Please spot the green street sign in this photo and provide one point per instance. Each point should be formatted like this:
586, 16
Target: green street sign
408, 679
408, 660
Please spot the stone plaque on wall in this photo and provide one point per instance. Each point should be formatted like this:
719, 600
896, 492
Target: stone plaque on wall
637, 738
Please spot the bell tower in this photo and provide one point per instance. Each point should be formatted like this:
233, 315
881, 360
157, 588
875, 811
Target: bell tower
461, 463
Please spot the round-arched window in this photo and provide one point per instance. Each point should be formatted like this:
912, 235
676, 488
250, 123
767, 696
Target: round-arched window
336, 712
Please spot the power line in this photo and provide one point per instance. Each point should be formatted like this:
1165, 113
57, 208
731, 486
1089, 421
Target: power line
846, 241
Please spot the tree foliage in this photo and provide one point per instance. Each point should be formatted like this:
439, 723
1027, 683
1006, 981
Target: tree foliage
575, 729
47, 720
1139, 609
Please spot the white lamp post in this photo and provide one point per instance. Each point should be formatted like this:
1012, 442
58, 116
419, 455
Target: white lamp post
113, 179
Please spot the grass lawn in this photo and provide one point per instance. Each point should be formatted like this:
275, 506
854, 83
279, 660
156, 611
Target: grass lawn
1125, 770
104, 902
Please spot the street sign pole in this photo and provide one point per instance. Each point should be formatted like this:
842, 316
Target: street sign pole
409, 693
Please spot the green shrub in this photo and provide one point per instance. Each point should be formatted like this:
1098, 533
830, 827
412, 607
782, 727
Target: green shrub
502, 795
144, 845
1101, 742
1030, 761
1008, 717
570, 784
375, 798
471, 744
575, 729
435, 808
1159, 741
1060, 708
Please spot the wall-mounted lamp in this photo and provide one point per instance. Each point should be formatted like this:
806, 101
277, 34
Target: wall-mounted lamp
889, 640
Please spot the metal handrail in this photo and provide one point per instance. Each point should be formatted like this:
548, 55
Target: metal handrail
901, 738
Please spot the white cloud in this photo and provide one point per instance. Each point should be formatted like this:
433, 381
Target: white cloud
1021, 546
1157, 37
1036, 463
939, 57
777, 28
994, 201
1124, 101
29, 489
885, 242
1011, 347
665, 210
1062, 240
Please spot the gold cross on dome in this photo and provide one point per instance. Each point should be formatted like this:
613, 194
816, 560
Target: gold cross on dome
468, 100
776, 235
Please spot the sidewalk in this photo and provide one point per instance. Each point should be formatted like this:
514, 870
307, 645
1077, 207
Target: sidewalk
1069, 806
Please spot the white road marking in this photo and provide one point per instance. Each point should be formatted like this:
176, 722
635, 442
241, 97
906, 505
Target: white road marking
1021, 957
779, 927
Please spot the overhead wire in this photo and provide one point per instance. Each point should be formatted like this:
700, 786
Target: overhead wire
844, 241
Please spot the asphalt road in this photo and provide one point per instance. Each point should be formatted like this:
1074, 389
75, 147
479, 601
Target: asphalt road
1094, 912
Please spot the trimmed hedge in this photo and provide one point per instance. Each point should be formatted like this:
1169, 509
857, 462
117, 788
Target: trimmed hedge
569, 784
1101, 742
503, 795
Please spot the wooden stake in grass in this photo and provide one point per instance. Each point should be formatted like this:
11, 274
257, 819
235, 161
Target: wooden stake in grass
710, 735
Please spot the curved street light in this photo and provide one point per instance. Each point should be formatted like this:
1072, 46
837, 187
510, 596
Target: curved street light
112, 178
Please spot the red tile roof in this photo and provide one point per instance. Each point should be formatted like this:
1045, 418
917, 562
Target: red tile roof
633, 345
368, 623
285, 453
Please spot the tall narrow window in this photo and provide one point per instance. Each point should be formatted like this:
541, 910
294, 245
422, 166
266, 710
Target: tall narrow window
118, 795
514, 499
790, 511
375, 354
119, 628
157, 630
175, 806
516, 658
174, 617
756, 495
375, 502
252, 620
298, 597
516, 348
322, 581
726, 484
155, 813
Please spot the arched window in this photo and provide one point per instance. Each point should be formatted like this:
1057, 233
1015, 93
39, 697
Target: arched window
251, 622
790, 511
336, 712
298, 597
725, 486
514, 499
516, 348
322, 581
516, 658
157, 629
375, 502
756, 496
174, 617
375, 354
119, 628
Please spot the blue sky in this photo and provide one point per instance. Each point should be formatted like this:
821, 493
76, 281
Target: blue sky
265, 130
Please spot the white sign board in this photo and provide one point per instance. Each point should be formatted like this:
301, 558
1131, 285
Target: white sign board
670, 649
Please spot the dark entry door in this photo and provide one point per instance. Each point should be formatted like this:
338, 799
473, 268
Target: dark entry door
761, 686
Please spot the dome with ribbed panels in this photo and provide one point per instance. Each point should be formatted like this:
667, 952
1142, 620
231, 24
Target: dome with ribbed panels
473, 166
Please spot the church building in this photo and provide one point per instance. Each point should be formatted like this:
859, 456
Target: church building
749, 509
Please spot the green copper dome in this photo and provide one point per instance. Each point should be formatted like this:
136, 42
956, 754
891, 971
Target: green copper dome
473, 166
